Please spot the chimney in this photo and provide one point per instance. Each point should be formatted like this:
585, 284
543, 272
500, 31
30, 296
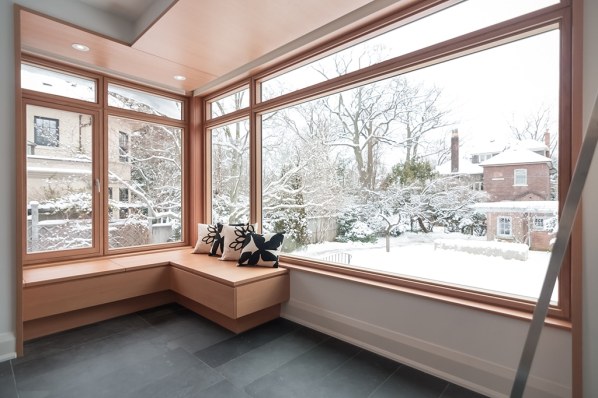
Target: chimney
455, 151
547, 143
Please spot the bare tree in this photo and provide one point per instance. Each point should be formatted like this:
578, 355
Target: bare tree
534, 126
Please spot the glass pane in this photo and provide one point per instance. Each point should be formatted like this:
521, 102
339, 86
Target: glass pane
145, 184
414, 175
230, 103
59, 179
230, 173
140, 101
57, 83
462, 18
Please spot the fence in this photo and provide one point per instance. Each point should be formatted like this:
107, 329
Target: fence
61, 234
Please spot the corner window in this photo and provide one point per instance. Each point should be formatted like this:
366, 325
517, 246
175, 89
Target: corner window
123, 147
84, 179
60, 192
415, 157
145, 161
230, 173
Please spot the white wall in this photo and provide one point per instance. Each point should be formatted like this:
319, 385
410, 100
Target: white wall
7, 182
590, 219
473, 348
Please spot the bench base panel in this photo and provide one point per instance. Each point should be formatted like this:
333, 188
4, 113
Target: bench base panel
57, 323
234, 325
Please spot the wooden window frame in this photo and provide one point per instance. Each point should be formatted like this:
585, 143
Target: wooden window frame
558, 15
100, 112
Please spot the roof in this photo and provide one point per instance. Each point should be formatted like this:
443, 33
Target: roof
465, 167
532, 145
519, 206
515, 156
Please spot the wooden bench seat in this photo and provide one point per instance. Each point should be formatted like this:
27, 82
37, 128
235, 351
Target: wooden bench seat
62, 296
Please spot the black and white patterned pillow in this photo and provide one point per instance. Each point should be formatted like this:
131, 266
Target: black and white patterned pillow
261, 250
207, 234
234, 236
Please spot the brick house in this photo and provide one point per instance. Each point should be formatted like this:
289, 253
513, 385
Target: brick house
529, 222
517, 174
520, 208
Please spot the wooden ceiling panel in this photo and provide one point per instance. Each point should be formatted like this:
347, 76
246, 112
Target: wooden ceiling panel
49, 38
212, 43
219, 36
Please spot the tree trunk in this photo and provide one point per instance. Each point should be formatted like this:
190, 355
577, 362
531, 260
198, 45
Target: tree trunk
387, 241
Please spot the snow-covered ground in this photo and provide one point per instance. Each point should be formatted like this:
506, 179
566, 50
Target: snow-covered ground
413, 255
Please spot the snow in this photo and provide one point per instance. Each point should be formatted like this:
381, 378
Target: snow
515, 251
412, 255
522, 206
465, 167
515, 156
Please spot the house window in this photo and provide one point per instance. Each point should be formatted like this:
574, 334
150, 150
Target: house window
67, 185
152, 178
539, 224
520, 177
228, 103
123, 194
59, 182
46, 131
123, 147
504, 226
51, 81
350, 164
230, 173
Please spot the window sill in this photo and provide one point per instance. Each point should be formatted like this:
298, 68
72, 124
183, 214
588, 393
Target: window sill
446, 294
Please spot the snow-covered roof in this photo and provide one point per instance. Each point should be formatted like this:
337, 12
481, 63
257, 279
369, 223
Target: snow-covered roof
519, 206
532, 145
465, 167
515, 156
488, 147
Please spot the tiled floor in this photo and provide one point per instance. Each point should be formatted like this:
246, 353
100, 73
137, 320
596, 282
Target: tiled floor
169, 352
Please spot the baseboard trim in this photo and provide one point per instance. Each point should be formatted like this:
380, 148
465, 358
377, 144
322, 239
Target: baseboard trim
474, 373
8, 345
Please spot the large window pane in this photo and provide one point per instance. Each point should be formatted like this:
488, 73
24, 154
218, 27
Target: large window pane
50, 81
230, 173
462, 18
59, 179
415, 175
229, 103
144, 102
145, 183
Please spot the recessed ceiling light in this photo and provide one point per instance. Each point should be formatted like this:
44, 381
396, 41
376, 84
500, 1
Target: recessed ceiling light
80, 47
179, 77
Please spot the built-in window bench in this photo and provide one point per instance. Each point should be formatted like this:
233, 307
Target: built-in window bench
62, 296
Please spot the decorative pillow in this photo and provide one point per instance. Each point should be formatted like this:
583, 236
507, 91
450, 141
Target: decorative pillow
218, 243
206, 236
261, 250
234, 236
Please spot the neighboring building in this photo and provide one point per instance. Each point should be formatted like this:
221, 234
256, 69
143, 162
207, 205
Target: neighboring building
520, 210
517, 174
59, 158
461, 167
529, 222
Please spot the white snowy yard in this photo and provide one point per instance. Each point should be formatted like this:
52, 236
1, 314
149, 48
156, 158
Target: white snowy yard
413, 255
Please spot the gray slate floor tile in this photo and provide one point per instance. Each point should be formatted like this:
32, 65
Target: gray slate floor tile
170, 352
